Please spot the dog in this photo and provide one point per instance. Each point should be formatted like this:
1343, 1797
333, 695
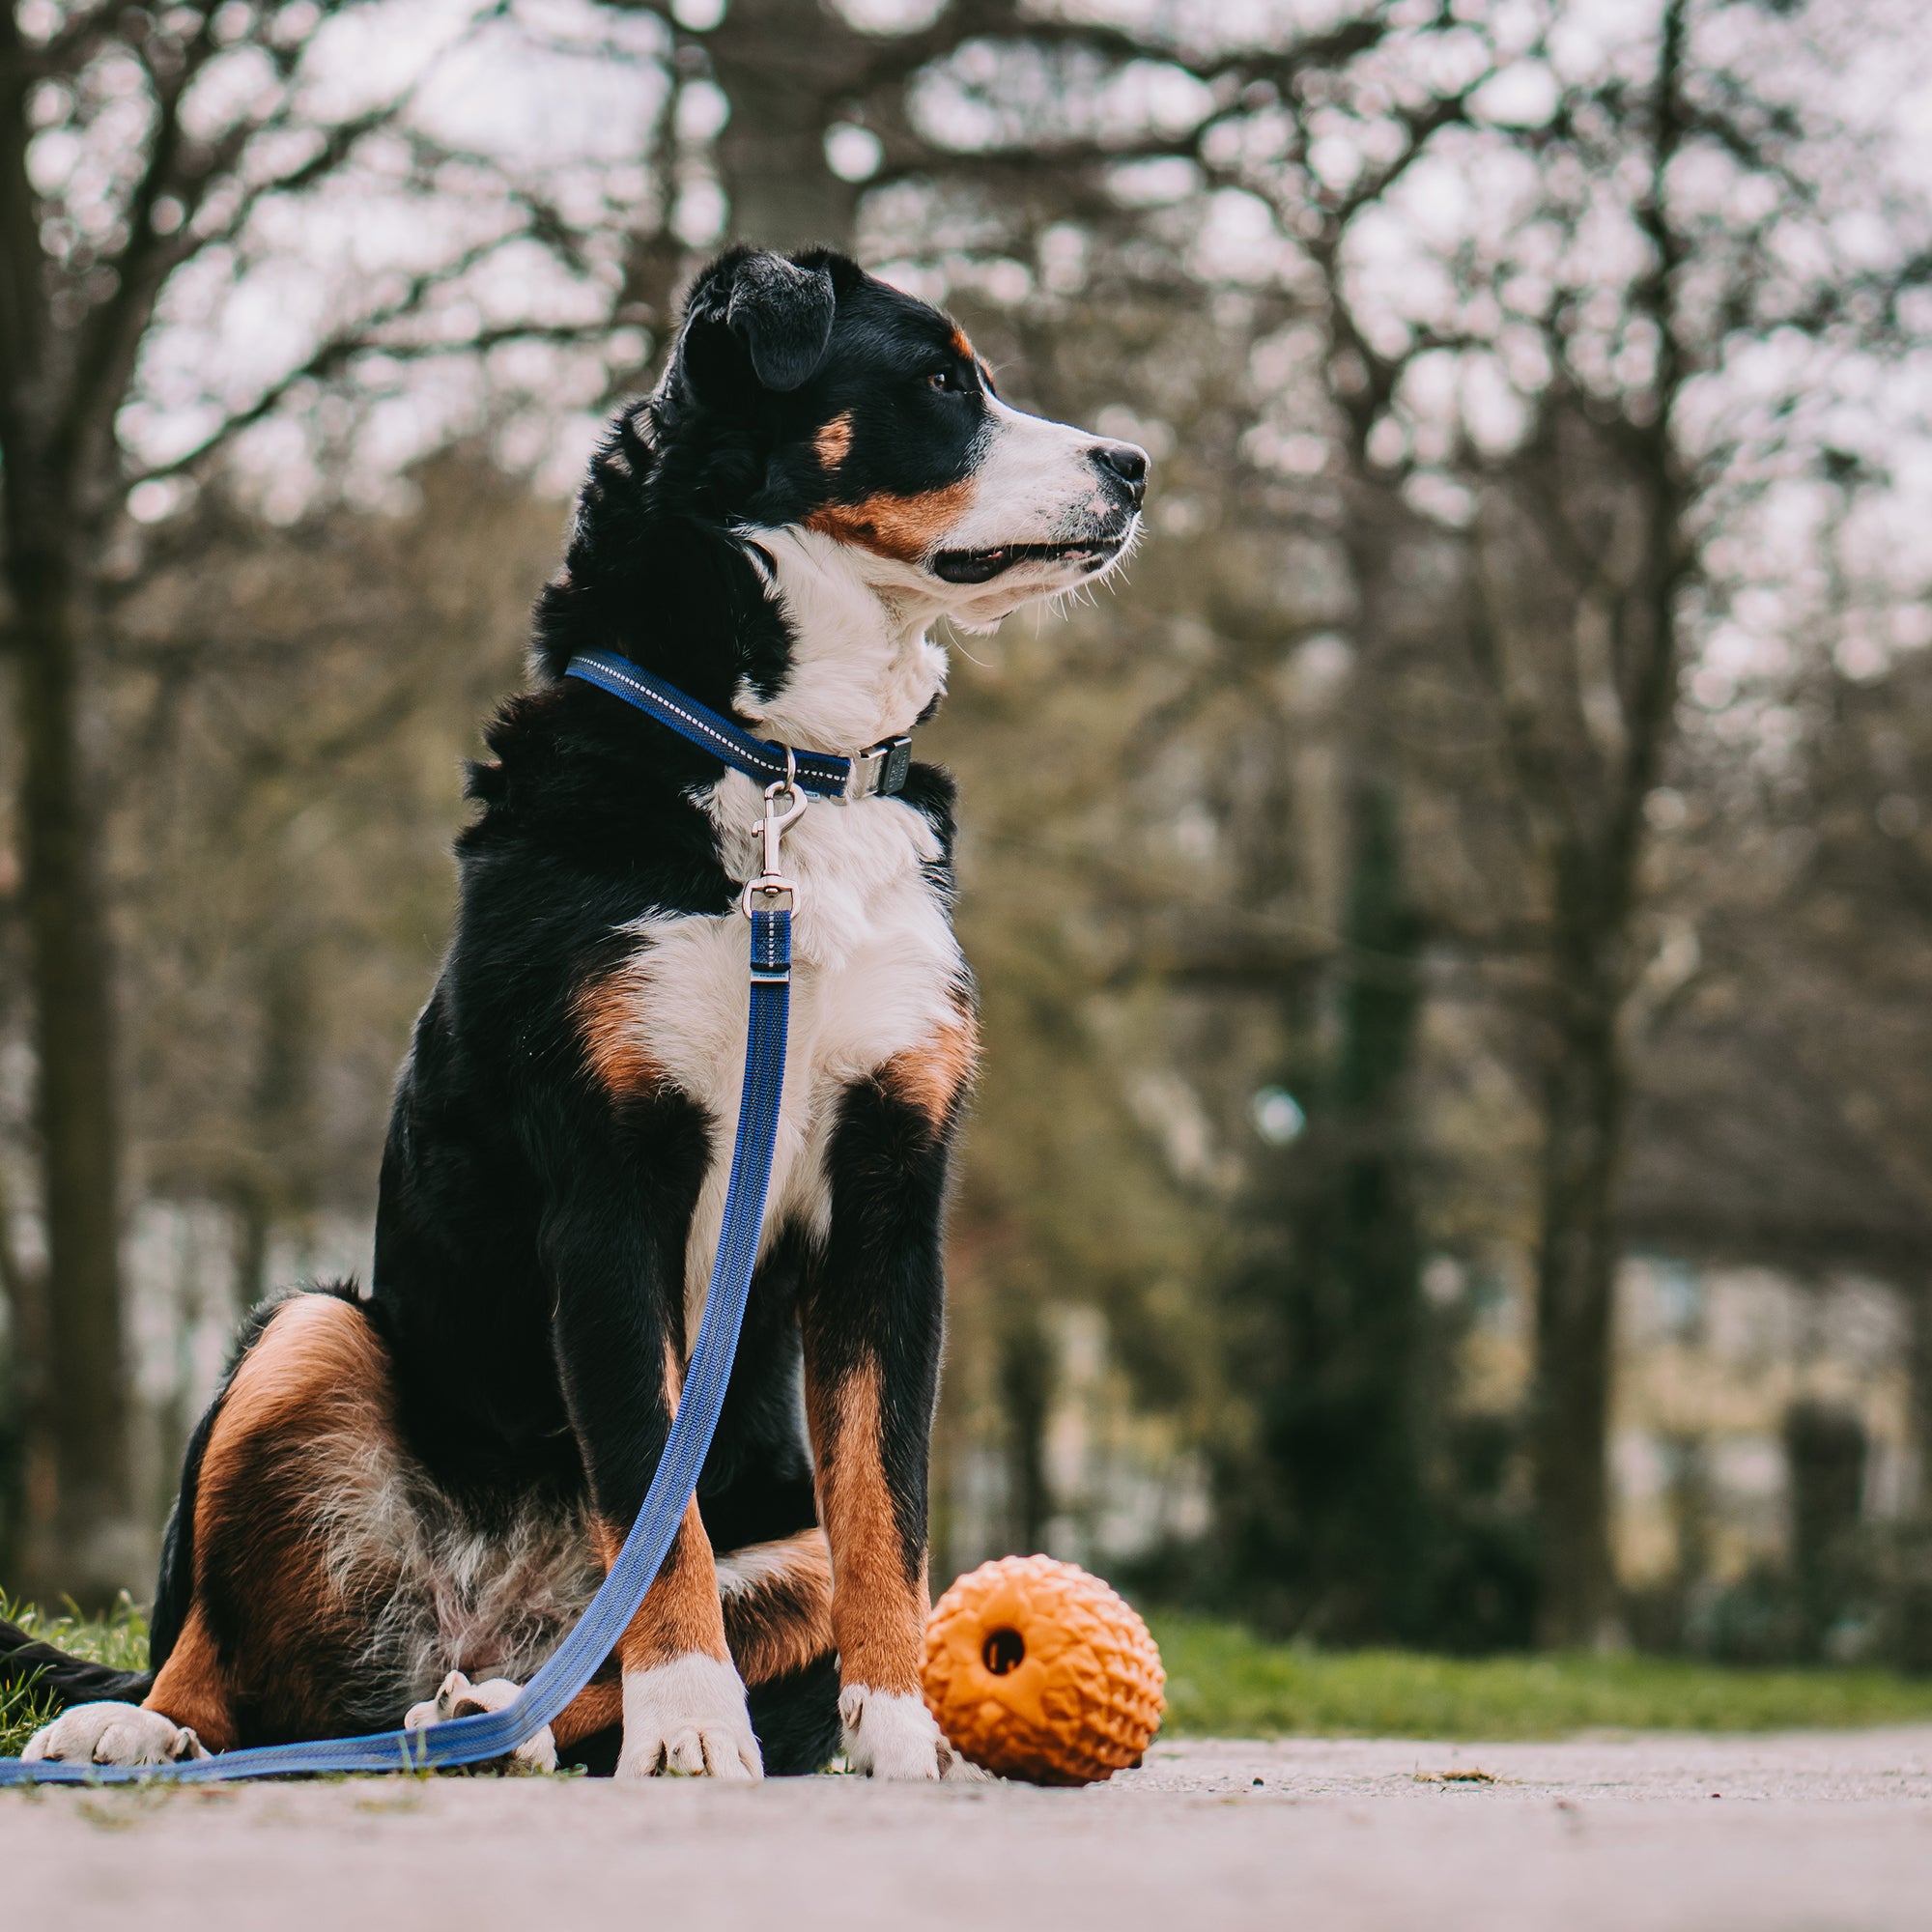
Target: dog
400, 1500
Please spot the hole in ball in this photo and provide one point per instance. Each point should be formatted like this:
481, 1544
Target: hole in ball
1004, 1650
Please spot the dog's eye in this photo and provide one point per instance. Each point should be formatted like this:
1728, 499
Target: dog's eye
941, 379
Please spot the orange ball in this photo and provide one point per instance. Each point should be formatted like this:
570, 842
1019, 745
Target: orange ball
1035, 1670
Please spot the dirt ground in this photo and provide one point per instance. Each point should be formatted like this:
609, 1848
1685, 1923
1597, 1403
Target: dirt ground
1812, 1833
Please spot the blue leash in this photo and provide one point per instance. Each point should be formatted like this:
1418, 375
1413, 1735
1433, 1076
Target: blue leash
494, 1734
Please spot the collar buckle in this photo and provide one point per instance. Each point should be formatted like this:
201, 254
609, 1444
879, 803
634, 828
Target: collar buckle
880, 770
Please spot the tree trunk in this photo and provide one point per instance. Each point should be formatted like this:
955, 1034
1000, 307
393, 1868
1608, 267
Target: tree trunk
784, 67
1912, 1638
1918, 1271
1326, 1524
87, 1546
26, 1473
1377, 1258
1584, 1091
1026, 1395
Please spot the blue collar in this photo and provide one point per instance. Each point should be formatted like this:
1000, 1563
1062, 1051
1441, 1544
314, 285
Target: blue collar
878, 772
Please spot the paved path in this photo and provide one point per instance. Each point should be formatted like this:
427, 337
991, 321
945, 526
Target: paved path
1795, 1833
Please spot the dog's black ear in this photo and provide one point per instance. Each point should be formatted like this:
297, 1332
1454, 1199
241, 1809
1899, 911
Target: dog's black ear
785, 315
762, 309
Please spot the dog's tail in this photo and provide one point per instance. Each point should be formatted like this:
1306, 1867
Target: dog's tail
27, 1663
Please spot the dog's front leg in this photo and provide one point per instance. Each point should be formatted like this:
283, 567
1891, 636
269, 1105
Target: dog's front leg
873, 1318
619, 1282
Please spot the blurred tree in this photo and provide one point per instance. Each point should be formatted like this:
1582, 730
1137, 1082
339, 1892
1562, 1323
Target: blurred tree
147, 161
1328, 1516
1826, 1450
1558, 368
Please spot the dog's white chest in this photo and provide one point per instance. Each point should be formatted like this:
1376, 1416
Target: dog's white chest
875, 970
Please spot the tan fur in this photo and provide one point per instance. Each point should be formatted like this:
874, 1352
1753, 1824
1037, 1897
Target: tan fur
315, 1381
680, 1612
607, 1011
779, 1617
962, 346
933, 1076
597, 1707
317, 1364
834, 442
906, 528
878, 1613
191, 1689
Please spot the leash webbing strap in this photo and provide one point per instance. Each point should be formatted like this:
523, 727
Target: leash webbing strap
576, 1659
878, 772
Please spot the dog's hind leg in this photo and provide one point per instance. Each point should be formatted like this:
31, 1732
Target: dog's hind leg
778, 1619
458, 1697
268, 1644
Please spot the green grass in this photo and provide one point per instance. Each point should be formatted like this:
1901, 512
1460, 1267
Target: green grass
1222, 1681
120, 1639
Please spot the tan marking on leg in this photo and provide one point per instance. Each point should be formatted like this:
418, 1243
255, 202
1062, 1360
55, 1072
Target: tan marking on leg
834, 442
906, 528
597, 1707
317, 1367
778, 1604
680, 1612
933, 1075
315, 1390
191, 1689
878, 1613
606, 1023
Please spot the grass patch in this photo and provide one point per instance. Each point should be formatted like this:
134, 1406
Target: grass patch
1222, 1681
120, 1640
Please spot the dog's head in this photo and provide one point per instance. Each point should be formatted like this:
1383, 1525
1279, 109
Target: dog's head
803, 392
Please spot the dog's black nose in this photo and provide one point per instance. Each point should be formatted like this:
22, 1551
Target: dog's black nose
1126, 460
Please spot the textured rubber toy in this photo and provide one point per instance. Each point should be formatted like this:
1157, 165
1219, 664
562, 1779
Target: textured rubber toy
1035, 1670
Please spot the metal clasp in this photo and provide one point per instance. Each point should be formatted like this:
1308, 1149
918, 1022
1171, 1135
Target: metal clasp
880, 770
771, 883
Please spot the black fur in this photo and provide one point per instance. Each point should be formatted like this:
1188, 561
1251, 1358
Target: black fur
65, 1679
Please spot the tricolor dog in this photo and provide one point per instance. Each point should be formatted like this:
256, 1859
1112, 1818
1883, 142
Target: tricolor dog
399, 1501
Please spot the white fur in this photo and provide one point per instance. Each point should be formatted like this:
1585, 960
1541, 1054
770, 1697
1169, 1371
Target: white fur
451, 1594
890, 1734
862, 666
688, 1717
1036, 483
874, 959
113, 1734
458, 1697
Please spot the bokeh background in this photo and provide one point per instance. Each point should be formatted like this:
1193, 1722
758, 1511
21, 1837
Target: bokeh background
1454, 1161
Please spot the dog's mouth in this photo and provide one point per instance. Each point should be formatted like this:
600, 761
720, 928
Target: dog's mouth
981, 566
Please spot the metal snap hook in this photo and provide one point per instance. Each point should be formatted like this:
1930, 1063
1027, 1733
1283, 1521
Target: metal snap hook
770, 832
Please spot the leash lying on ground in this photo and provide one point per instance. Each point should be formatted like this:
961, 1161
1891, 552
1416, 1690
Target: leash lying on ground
787, 776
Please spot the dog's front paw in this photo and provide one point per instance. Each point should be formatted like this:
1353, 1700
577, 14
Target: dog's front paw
461, 1698
113, 1734
891, 1734
688, 1717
